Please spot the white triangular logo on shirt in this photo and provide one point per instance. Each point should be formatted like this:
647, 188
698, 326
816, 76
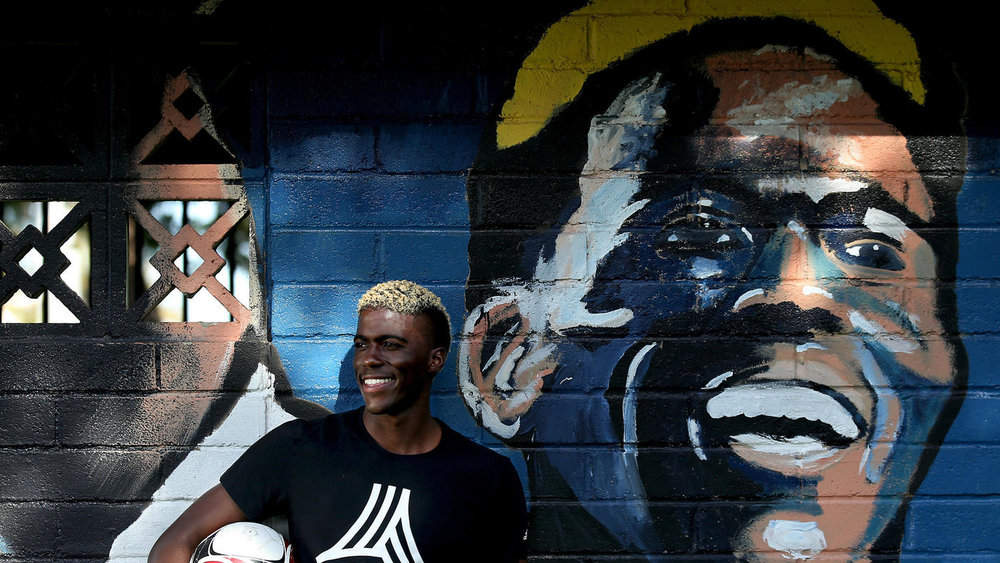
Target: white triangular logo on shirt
395, 543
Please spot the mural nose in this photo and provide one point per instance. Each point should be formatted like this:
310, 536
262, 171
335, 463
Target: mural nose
788, 274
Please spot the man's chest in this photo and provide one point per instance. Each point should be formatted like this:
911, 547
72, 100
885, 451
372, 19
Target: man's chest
362, 506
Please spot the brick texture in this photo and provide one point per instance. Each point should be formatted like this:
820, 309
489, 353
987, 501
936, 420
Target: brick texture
368, 151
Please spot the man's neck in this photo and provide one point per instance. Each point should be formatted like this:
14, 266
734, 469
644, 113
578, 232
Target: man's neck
406, 434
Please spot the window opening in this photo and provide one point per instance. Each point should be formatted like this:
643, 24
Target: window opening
35, 269
190, 224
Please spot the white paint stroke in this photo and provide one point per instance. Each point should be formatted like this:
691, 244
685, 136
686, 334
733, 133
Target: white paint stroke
788, 102
717, 380
783, 401
886, 223
694, 434
895, 343
796, 228
630, 433
796, 540
813, 290
747, 295
797, 451
815, 187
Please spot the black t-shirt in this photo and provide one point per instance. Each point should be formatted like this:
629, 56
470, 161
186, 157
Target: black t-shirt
346, 497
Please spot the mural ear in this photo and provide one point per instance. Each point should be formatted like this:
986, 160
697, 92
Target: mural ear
502, 365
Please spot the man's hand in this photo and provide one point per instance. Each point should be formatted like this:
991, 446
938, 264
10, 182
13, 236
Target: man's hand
211, 511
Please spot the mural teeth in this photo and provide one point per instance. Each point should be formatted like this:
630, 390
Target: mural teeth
783, 401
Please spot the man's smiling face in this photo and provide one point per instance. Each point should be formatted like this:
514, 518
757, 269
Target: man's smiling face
795, 214
394, 360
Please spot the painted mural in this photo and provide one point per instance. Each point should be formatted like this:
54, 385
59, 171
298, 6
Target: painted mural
720, 327
707, 255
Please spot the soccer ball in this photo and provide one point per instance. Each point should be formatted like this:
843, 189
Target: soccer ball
243, 542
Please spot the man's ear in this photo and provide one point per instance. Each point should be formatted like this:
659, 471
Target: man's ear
437, 358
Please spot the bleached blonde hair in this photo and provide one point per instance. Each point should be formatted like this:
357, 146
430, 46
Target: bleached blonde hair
409, 298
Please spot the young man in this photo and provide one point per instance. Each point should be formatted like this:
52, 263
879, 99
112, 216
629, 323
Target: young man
387, 481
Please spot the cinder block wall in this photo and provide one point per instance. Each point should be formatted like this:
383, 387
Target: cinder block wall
367, 152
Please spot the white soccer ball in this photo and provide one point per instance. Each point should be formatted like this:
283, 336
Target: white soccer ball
243, 542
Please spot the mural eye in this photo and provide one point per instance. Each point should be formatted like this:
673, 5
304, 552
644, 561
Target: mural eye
872, 254
706, 221
700, 234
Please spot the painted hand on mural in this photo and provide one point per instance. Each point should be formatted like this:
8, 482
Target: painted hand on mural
503, 386
527, 321
740, 302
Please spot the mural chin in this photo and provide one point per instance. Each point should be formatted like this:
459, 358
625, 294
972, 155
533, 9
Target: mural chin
791, 535
811, 425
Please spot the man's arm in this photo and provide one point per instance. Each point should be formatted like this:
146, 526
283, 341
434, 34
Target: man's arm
510, 507
210, 512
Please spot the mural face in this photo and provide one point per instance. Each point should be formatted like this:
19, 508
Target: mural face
733, 308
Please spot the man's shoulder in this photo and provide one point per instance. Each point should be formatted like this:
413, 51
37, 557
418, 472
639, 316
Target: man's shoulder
485, 474
471, 452
319, 429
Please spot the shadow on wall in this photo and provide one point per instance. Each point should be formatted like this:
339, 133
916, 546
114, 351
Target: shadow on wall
115, 420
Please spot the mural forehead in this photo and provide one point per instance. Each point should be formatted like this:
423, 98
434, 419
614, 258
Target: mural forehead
797, 123
761, 201
540, 92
